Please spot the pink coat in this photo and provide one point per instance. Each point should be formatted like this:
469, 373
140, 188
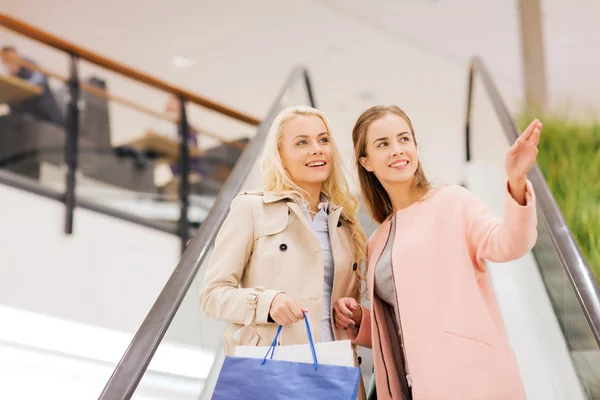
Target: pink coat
455, 342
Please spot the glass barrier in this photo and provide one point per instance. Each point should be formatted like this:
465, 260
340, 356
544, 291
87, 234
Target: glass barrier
136, 168
543, 316
33, 110
128, 146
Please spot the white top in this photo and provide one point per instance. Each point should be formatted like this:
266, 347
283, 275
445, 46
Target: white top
320, 228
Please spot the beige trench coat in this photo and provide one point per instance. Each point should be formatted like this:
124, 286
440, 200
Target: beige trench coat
266, 246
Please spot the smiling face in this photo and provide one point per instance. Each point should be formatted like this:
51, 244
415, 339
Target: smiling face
306, 150
390, 150
386, 158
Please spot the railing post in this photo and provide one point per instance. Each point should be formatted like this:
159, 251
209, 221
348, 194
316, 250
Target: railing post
71, 143
184, 167
468, 117
311, 96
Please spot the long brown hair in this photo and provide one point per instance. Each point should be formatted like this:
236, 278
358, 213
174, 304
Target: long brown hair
374, 194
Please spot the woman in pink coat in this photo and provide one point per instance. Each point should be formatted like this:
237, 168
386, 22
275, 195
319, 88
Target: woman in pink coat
435, 327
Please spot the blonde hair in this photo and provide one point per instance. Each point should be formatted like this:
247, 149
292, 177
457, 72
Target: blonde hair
374, 194
335, 188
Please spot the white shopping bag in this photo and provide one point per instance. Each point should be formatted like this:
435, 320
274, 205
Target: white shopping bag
338, 352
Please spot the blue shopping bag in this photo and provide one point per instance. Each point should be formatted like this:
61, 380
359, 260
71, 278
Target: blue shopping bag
252, 378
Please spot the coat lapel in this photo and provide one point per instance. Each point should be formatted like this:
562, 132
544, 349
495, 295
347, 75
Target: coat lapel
292, 207
337, 247
379, 324
341, 252
295, 208
270, 197
375, 248
334, 217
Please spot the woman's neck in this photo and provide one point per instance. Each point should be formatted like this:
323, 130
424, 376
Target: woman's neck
314, 195
403, 195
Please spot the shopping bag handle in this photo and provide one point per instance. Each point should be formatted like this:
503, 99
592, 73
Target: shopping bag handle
310, 341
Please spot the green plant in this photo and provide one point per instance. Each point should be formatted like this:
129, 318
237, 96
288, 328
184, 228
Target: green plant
569, 158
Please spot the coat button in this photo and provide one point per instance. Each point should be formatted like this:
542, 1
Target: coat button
283, 247
359, 360
339, 223
354, 266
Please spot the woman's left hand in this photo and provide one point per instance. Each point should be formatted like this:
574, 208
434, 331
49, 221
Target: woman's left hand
521, 157
347, 313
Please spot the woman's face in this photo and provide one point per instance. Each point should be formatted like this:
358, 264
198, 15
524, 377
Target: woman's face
306, 150
391, 151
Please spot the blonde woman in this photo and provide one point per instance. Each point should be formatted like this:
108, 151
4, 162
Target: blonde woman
435, 327
291, 249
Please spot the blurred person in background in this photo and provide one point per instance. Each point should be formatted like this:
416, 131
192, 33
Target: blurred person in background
168, 176
43, 107
173, 111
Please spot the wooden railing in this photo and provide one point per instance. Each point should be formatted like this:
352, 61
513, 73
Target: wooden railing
36, 34
99, 92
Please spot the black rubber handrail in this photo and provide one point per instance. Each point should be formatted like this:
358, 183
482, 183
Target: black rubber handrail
579, 273
138, 355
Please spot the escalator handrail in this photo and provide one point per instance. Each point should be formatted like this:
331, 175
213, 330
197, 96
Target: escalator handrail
130, 370
580, 275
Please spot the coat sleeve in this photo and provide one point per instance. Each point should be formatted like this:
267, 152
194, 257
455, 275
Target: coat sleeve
221, 297
501, 240
362, 337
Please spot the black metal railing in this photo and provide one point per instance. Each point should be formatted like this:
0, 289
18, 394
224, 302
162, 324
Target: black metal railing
578, 272
184, 187
71, 144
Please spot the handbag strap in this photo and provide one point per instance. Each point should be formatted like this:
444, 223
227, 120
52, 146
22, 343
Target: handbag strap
280, 339
271, 349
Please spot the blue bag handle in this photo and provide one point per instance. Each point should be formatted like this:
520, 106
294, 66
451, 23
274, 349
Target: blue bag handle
310, 341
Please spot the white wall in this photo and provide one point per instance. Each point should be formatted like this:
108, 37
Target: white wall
108, 273
70, 305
